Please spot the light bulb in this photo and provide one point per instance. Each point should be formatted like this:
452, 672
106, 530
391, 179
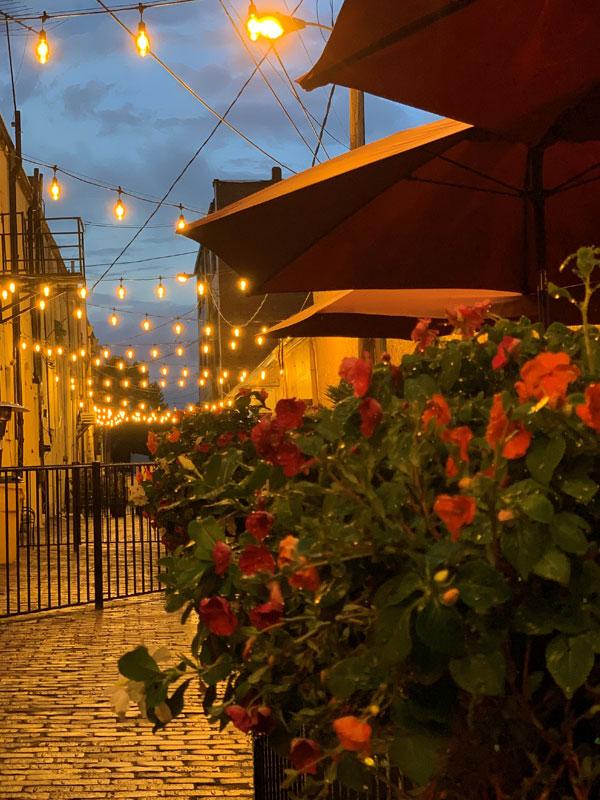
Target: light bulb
37, 347
233, 344
142, 42
225, 373
56, 379
143, 368
73, 357
201, 288
130, 353
182, 277
106, 353
59, 350
201, 382
207, 330
107, 382
162, 384
114, 319
221, 381
243, 284
12, 287
82, 352
42, 50
125, 384
49, 352
205, 349
23, 345
263, 375
242, 378
178, 327
185, 372
120, 365
46, 290
42, 305
89, 382
4, 294
108, 398
146, 324
154, 352
79, 313
259, 340
164, 370
97, 362
119, 208
236, 331
121, 291
144, 384
160, 289
181, 223
181, 382
83, 292
206, 373
264, 330
54, 186
179, 351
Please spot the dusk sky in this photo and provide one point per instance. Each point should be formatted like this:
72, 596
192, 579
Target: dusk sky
100, 110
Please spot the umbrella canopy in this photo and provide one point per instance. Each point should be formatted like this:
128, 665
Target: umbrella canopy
526, 68
390, 313
442, 205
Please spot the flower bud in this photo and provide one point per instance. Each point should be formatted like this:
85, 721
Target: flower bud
441, 576
369, 762
465, 483
506, 515
374, 709
450, 597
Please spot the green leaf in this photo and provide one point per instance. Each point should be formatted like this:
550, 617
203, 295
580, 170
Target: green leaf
392, 635
554, 566
352, 773
212, 470
187, 464
397, 589
569, 661
417, 755
544, 456
206, 533
537, 507
423, 386
175, 702
481, 586
534, 617
557, 292
441, 628
310, 445
480, 673
138, 665
351, 674
568, 532
451, 364
523, 547
582, 489
219, 671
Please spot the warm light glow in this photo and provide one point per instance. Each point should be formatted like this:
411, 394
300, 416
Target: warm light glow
73, 357
164, 370
162, 384
183, 277
205, 348
185, 372
225, 373
4, 294
264, 330
97, 361
42, 50
119, 208
179, 351
268, 25
146, 324
130, 353
243, 284
191, 408
108, 398
42, 305
236, 332
221, 381
79, 313
160, 289
82, 352
56, 379
46, 291
83, 292
49, 352
233, 344
242, 378
106, 353
107, 382
144, 384
125, 403
114, 319
259, 340
263, 375
23, 345
121, 291
142, 42
89, 382
178, 327
154, 352
59, 350
37, 347
201, 288
181, 223
201, 382
143, 368
120, 365
181, 382
206, 373
12, 287
207, 330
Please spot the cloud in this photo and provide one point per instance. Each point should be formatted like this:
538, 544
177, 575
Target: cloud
82, 101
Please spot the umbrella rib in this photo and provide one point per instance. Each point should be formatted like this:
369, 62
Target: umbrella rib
462, 186
477, 172
570, 182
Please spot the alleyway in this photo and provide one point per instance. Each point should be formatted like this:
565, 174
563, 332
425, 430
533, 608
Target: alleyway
59, 739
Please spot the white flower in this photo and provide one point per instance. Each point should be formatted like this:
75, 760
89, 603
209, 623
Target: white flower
137, 495
164, 465
119, 701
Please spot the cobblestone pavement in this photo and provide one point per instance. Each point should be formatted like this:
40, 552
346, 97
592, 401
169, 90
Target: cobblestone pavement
59, 739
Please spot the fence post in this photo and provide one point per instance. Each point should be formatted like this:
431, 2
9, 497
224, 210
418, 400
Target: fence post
76, 486
97, 510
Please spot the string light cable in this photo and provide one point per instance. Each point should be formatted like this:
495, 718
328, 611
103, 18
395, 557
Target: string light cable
84, 12
181, 174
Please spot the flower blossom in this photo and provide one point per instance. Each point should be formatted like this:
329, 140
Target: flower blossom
437, 409
259, 524
217, 615
507, 346
589, 412
173, 436
256, 558
266, 615
221, 555
423, 335
225, 439
547, 375
287, 551
353, 734
513, 436
358, 372
467, 320
459, 437
455, 512
257, 719
152, 442
290, 413
304, 754
371, 415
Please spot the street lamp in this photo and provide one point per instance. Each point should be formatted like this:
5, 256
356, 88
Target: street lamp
273, 25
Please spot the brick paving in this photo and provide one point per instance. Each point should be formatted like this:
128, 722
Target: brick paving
59, 739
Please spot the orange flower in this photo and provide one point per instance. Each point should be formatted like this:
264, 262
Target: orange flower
513, 436
460, 437
455, 511
287, 550
590, 411
547, 375
305, 578
152, 442
173, 436
437, 409
353, 734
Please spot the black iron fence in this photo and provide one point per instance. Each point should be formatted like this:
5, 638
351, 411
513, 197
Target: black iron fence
269, 772
69, 536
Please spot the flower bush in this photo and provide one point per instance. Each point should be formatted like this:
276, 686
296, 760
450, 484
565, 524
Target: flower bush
410, 578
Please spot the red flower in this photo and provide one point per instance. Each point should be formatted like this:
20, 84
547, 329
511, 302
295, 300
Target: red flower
455, 511
244, 391
423, 334
243, 436
507, 346
257, 719
304, 754
589, 413
358, 372
547, 375
248, 647
290, 458
460, 437
217, 615
467, 320
173, 436
353, 734
371, 415
202, 447
263, 394
437, 409
222, 557
268, 436
290, 413
265, 615
152, 442
259, 524
287, 550
513, 436
225, 439
305, 578
256, 558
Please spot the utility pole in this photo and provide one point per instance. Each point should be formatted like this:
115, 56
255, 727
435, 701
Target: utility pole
357, 118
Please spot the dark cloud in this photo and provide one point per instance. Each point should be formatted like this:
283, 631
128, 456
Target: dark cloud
81, 101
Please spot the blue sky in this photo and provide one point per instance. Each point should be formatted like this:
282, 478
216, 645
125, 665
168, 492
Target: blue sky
98, 109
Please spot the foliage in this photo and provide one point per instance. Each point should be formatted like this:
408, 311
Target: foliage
411, 577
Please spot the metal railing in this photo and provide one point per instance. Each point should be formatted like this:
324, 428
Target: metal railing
69, 536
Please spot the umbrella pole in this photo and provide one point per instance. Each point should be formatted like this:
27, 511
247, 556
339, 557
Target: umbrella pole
538, 200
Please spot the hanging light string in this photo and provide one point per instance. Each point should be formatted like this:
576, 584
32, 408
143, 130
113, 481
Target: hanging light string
92, 11
241, 324
141, 261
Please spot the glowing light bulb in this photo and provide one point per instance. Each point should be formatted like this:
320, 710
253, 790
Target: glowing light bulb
179, 351
182, 277
142, 42
79, 313
162, 384
106, 353
42, 51
244, 374
59, 350
242, 378
190, 408
82, 352
144, 384
181, 382
146, 324
73, 357
23, 345
143, 368
114, 320
185, 372
107, 382
4, 294
201, 288
225, 373
205, 348
130, 353
89, 382
160, 289
164, 370
119, 208
56, 379
233, 344
12, 287
125, 384
120, 365
108, 398
259, 340
264, 330
54, 186
181, 223
178, 327
207, 330
83, 293
201, 382
49, 352
263, 375
46, 290
221, 381
206, 373
154, 352
42, 305
243, 284
236, 332
37, 347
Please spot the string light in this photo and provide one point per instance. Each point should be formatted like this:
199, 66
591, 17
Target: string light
37, 348
164, 370
130, 353
83, 293
233, 344
142, 42
79, 313
146, 324
179, 351
201, 382
107, 383
206, 373
119, 208
97, 361
178, 327
185, 372
263, 375
225, 373
207, 330
236, 332
143, 368
120, 365
160, 289
154, 352
54, 185
181, 223
205, 349
73, 357
125, 384
49, 352
42, 305
23, 345
144, 384
264, 330
181, 382
221, 381
243, 284
114, 320
182, 277
121, 290
46, 290
4, 294
106, 353
59, 350
82, 352
12, 287
162, 384
259, 340
201, 288
42, 51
